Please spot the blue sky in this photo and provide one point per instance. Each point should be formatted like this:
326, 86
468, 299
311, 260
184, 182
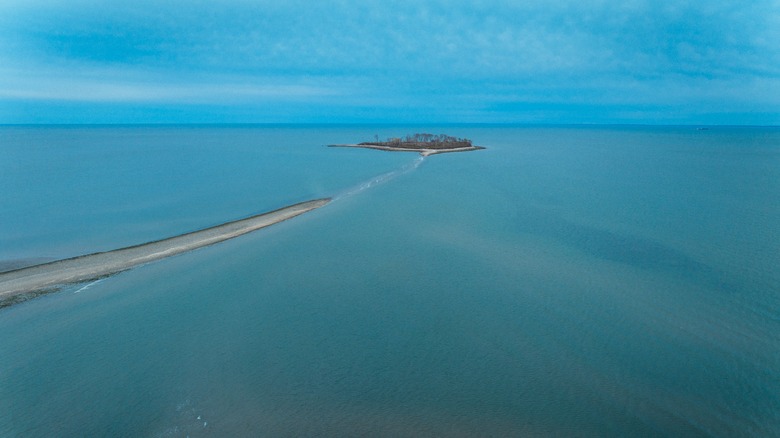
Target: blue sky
557, 61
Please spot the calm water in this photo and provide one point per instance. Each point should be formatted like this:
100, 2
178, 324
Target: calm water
577, 281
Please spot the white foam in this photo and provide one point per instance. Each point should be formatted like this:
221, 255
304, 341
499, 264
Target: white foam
89, 285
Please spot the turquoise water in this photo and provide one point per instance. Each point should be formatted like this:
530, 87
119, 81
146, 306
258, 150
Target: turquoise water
577, 281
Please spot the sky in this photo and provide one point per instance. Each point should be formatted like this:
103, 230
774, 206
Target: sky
379, 61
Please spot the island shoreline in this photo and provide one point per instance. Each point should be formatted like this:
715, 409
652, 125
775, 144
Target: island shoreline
422, 151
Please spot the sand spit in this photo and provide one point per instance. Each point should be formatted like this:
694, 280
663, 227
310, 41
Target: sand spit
423, 152
24, 283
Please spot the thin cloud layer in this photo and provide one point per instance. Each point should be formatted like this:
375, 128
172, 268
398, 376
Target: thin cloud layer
491, 61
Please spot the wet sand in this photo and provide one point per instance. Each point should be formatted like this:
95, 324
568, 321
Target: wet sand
423, 152
21, 284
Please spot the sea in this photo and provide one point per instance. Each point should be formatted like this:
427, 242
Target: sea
565, 281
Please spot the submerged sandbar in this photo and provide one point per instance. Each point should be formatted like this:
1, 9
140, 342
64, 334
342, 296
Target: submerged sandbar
24, 283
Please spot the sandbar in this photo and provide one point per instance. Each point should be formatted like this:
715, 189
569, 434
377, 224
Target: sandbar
21, 284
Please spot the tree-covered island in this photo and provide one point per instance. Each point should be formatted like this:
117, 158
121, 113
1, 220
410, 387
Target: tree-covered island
425, 144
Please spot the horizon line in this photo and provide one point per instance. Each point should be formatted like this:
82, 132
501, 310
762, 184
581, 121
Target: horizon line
475, 124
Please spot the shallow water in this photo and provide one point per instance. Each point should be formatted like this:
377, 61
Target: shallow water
566, 281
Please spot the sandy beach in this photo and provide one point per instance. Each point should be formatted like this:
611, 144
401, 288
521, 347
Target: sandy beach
28, 282
423, 152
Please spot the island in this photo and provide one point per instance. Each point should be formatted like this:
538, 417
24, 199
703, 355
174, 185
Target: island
425, 144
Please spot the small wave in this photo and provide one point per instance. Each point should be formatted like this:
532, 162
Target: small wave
89, 285
185, 421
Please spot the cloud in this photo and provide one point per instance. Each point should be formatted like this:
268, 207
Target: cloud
112, 87
448, 38
449, 56
191, 93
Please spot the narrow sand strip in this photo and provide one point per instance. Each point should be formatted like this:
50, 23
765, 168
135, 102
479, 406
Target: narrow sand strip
423, 152
31, 281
